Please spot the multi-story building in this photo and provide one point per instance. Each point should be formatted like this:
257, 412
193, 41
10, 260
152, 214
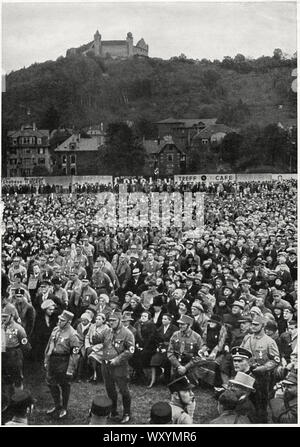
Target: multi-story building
77, 155
28, 150
163, 157
183, 130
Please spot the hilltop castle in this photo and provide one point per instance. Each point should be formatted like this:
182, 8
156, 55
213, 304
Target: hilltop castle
117, 49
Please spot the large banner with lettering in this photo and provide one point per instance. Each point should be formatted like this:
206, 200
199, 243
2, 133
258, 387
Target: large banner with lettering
23, 181
280, 177
101, 179
257, 177
58, 180
207, 178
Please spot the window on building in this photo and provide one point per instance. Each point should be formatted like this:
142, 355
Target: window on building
41, 150
73, 159
64, 160
13, 161
41, 161
170, 157
27, 161
15, 141
73, 171
13, 151
64, 171
27, 151
26, 171
39, 141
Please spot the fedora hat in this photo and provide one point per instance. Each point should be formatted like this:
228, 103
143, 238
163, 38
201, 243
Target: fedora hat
243, 380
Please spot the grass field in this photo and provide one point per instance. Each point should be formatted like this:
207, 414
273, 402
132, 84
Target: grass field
83, 393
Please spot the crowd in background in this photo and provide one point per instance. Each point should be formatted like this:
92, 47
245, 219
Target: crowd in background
213, 288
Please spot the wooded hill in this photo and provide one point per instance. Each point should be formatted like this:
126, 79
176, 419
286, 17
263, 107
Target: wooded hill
84, 90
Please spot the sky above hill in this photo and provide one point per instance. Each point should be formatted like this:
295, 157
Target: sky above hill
36, 32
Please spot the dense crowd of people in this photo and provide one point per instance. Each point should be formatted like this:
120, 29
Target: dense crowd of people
214, 308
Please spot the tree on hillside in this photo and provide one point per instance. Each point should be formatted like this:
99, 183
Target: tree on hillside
144, 127
229, 148
51, 119
122, 154
274, 142
277, 54
234, 113
210, 78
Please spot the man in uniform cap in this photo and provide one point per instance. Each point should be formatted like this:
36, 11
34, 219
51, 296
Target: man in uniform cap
182, 400
100, 410
265, 359
61, 359
118, 347
161, 413
241, 359
21, 405
284, 408
184, 349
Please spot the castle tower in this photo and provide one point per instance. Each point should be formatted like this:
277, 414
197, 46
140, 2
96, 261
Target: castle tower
97, 43
129, 40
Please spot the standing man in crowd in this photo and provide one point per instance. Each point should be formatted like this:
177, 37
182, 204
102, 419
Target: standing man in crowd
61, 358
15, 342
118, 347
265, 355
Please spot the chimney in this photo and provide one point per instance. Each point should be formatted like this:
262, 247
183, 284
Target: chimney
34, 127
101, 127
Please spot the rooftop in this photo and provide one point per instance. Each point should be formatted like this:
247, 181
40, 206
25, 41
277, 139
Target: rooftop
188, 123
83, 145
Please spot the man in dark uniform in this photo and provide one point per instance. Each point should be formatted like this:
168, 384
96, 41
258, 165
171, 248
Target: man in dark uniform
118, 347
15, 341
184, 351
61, 358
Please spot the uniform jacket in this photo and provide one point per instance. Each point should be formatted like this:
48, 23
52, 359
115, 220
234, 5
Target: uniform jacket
179, 413
264, 351
64, 342
118, 345
284, 413
184, 349
15, 335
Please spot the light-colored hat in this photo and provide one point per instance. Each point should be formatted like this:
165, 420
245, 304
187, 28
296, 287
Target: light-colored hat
47, 303
243, 380
86, 316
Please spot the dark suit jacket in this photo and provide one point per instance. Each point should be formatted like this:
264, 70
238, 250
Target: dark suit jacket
162, 338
